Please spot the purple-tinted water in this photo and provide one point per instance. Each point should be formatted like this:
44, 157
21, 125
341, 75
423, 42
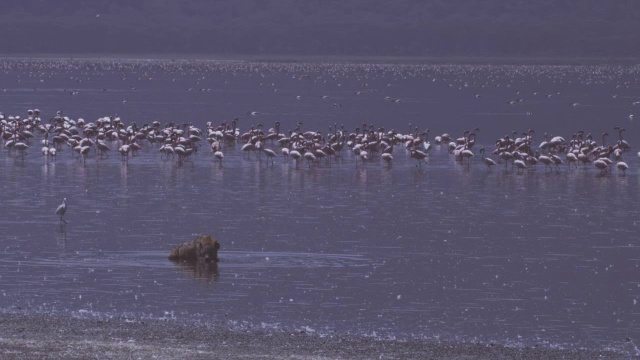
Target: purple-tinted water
445, 251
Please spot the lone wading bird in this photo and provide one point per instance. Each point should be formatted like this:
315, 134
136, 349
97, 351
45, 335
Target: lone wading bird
61, 210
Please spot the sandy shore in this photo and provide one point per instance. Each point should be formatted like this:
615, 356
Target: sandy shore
60, 337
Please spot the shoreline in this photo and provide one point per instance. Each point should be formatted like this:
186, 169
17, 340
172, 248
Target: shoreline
33, 336
337, 59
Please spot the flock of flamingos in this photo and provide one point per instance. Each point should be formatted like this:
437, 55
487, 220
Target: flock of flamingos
180, 141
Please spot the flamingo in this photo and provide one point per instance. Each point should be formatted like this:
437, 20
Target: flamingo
622, 166
572, 159
606, 160
487, 160
520, 165
419, 156
556, 160
166, 149
84, 151
135, 147
623, 144
246, 148
124, 152
556, 140
320, 154
364, 156
219, 155
547, 161
601, 165
584, 159
387, 157
468, 154
309, 157
22, 147
9, 144
295, 154
506, 156
103, 148
180, 150
270, 155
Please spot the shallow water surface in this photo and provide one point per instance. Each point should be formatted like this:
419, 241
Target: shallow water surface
440, 251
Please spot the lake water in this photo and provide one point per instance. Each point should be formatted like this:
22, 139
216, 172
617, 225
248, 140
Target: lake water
437, 252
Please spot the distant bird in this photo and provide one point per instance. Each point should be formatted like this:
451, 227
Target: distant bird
61, 210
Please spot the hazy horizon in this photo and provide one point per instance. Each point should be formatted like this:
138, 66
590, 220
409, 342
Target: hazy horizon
404, 28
